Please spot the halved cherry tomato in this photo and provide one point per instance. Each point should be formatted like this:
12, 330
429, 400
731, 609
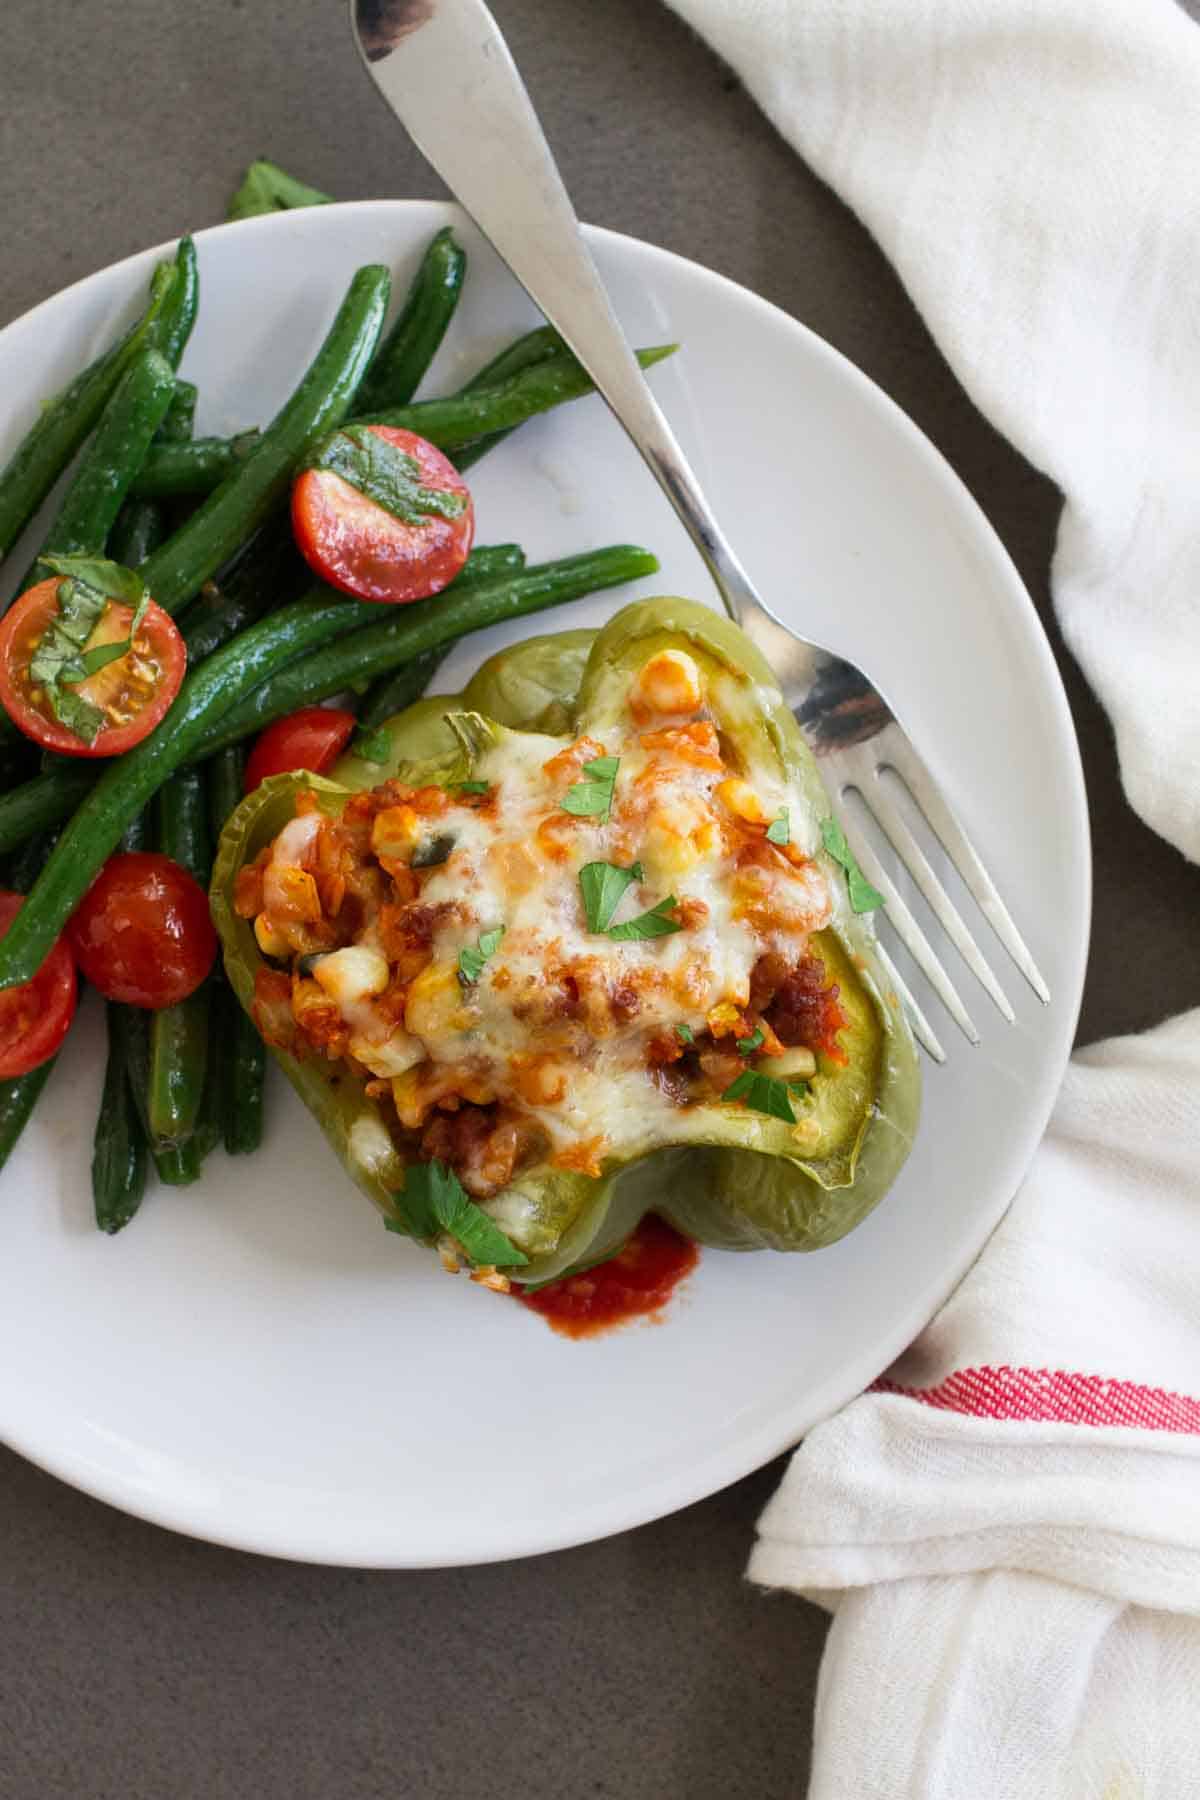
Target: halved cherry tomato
142, 933
35, 1016
312, 738
357, 545
133, 692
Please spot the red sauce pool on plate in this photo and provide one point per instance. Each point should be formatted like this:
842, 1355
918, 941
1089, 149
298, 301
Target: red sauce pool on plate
634, 1284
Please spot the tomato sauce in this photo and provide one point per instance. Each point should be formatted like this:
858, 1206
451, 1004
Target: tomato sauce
636, 1283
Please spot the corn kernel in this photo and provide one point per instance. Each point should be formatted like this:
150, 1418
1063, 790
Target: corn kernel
669, 683
268, 939
395, 831
739, 798
434, 1005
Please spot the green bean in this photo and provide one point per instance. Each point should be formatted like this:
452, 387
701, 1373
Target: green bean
266, 188
394, 691
180, 1165
180, 422
90, 506
180, 567
130, 1025
409, 348
460, 419
179, 1034
535, 347
269, 572
141, 524
66, 420
173, 327
18, 1097
119, 1148
407, 631
196, 467
42, 802
140, 528
538, 388
243, 1059
29, 861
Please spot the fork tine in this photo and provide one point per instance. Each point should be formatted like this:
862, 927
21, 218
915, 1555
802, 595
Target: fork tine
895, 747
911, 935
888, 815
922, 1030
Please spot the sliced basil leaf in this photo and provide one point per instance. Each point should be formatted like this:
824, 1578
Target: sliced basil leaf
779, 831
386, 475
434, 1201
650, 924
593, 798
602, 885
762, 1093
863, 897
748, 1045
112, 581
471, 961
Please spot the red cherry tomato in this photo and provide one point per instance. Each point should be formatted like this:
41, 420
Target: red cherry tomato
312, 738
133, 692
355, 544
35, 1016
142, 933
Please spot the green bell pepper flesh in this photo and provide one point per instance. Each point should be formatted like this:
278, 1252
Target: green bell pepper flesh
735, 1179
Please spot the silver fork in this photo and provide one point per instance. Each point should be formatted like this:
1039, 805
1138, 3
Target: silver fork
446, 72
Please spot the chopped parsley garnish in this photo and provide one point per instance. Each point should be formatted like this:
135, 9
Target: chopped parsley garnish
60, 662
779, 831
593, 798
472, 787
652, 924
766, 1094
863, 897
373, 746
471, 961
685, 1034
603, 884
748, 1045
388, 476
433, 1201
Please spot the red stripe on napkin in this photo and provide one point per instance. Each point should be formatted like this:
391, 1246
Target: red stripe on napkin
1054, 1394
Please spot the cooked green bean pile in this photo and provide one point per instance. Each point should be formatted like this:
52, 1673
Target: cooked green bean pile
204, 522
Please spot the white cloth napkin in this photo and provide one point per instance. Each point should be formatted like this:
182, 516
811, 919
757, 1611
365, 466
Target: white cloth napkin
1031, 168
1008, 1527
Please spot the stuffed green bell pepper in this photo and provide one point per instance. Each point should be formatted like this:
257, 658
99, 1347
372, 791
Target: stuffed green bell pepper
573, 949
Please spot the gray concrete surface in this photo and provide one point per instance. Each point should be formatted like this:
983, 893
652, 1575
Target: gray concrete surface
138, 1664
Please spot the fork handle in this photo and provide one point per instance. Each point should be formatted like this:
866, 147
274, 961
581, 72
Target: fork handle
450, 78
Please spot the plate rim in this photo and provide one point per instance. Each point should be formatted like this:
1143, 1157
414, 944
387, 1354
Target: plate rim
696, 1480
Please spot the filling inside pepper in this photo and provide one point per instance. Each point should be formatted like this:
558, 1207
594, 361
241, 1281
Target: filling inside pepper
580, 948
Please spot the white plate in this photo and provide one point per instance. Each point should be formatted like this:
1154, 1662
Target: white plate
256, 1361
